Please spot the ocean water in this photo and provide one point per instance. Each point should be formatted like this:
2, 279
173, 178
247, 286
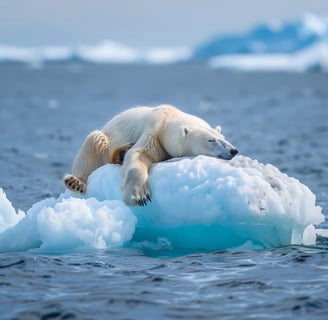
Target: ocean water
278, 118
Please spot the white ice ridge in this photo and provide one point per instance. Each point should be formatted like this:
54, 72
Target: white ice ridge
197, 203
314, 57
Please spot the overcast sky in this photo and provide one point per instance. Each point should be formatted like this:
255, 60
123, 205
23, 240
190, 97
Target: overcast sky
140, 23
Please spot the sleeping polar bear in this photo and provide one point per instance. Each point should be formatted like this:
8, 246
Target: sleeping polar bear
145, 135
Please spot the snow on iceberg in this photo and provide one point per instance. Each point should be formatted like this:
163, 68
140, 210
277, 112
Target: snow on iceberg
198, 203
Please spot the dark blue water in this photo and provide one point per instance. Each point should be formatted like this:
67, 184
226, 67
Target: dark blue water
277, 118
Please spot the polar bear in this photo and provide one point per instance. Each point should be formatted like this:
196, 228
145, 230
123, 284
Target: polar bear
142, 136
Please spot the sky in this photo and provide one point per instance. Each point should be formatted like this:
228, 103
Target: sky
140, 23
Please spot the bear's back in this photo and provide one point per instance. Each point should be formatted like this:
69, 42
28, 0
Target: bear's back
129, 125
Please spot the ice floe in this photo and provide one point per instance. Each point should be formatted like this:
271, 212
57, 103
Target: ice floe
197, 203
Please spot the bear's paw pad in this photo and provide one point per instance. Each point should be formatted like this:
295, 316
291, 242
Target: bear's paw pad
74, 184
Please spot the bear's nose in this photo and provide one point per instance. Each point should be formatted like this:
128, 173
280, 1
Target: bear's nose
233, 152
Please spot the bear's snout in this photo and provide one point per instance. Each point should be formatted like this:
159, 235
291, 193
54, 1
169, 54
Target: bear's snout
233, 152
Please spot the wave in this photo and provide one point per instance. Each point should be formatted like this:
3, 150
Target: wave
198, 203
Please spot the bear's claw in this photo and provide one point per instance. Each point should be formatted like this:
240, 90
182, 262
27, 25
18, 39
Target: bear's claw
144, 200
140, 200
136, 189
74, 184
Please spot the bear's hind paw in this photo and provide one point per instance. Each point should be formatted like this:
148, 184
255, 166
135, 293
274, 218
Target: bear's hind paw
75, 184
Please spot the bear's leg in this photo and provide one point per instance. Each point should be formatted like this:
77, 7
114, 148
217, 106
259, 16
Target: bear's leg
136, 165
93, 154
119, 154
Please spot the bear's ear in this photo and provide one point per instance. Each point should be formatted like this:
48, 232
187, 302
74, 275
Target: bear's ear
218, 129
184, 131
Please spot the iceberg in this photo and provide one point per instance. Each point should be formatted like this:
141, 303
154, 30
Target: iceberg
197, 203
286, 38
67, 225
105, 52
297, 46
34, 55
309, 59
167, 55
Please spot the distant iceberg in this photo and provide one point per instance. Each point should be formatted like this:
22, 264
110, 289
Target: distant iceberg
167, 55
300, 46
105, 52
34, 54
313, 58
287, 38
198, 204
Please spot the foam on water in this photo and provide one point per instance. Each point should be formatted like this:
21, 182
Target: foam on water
197, 203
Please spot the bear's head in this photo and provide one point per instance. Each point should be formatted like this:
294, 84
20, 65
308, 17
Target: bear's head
206, 141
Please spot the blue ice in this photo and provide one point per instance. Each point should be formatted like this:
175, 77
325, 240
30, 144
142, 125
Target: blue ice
197, 203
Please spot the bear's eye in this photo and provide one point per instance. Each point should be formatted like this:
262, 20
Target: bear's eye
211, 140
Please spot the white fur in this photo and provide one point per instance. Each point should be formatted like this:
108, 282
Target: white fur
155, 134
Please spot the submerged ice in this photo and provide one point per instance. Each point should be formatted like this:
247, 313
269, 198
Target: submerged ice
197, 203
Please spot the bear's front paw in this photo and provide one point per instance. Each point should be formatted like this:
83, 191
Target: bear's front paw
136, 188
75, 184
141, 196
